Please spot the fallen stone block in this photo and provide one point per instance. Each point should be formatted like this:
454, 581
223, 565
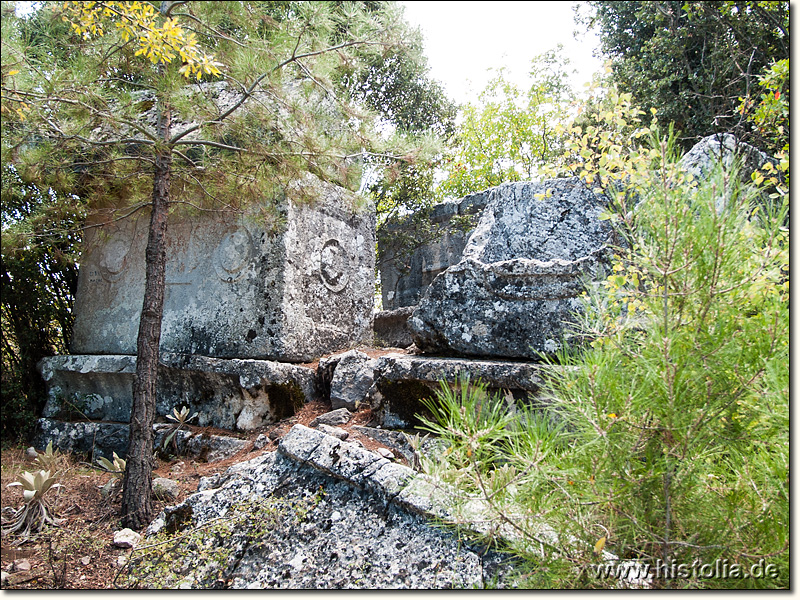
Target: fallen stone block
516, 287
349, 536
352, 377
336, 432
391, 327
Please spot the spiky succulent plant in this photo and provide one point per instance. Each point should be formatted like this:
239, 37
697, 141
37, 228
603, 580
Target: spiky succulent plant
34, 513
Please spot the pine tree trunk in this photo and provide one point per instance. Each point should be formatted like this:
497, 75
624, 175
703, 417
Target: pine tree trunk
137, 507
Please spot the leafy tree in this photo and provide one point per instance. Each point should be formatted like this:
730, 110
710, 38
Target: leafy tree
125, 114
40, 239
771, 112
510, 133
693, 61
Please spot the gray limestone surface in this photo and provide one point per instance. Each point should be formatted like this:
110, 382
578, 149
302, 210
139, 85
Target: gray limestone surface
354, 375
726, 149
97, 439
237, 394
236, 288
515, 289
322, 514
391, 329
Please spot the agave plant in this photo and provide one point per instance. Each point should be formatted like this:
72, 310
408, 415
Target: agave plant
49, 459
181, 417
116, 467
34, 514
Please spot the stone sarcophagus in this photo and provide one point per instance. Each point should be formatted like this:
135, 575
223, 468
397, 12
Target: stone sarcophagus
236, 288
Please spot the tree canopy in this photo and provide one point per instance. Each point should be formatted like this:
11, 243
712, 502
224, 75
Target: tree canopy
509, 133
138, 106
693, 62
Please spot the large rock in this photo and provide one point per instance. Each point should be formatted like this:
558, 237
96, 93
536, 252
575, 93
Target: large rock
91, 439
319, 514
514, 292
412, 256
724, 149
235, 287
230, 394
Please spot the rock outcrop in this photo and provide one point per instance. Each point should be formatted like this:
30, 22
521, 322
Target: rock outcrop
318, 514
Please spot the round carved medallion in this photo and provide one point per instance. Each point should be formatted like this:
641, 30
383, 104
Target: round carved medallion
113, 260
333, 266
232, 255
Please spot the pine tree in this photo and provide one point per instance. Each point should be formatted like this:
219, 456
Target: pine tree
151, 106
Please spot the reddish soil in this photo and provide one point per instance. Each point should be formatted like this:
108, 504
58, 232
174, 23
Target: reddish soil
80, 554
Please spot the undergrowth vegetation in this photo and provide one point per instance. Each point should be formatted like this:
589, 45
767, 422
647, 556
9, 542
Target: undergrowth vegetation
665, 436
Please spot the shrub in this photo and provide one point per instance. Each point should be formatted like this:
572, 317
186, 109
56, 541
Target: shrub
675, 413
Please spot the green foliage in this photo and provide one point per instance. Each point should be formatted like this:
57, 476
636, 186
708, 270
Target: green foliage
771, 115
676, 416
510, 133
692, 61
39, 278
678, 410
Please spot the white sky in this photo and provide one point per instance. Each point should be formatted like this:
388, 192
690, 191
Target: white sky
464, 39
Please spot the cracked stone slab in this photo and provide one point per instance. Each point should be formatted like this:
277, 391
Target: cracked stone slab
236, 394
515, 289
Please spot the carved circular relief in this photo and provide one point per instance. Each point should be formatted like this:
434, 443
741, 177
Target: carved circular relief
232, 255
333, 266
113, 259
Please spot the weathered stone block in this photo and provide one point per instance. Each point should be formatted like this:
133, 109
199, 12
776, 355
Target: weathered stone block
230, 394
391, 327
411, 259
236, 288
402, 381
352, 378
514, 292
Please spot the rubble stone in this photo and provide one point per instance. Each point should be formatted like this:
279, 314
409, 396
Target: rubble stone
353, 376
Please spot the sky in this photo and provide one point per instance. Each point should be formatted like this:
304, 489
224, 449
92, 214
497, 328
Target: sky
464, 39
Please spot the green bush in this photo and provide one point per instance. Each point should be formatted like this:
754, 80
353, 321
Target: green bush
675, 413
39, 279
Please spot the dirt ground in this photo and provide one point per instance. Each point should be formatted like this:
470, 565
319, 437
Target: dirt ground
80, 553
